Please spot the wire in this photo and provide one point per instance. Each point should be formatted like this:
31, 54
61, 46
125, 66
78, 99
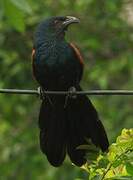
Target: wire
19, 91
90, 92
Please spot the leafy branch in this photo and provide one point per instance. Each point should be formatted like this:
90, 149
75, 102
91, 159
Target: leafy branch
116, 164
117, 158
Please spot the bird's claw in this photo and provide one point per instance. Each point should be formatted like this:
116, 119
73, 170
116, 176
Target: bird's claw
71, 94
43, 95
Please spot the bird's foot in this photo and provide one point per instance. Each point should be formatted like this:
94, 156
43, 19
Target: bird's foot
43, 95
71, 94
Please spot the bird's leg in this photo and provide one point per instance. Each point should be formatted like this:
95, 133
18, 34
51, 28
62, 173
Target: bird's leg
71, 94
43, 95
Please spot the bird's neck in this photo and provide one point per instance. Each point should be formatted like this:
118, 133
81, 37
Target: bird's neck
49, 39
50, 47
50, 43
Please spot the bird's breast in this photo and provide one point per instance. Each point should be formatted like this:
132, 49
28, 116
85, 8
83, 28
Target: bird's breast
54, 68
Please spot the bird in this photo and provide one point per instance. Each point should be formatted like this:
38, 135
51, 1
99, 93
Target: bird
65, 121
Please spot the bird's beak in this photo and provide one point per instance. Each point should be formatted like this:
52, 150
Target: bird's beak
69, 20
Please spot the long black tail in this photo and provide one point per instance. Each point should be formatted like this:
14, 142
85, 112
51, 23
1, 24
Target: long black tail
83, 122
67, 128
52, 125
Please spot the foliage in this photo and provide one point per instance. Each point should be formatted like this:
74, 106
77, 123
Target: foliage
105, 39
117, 163
15, 11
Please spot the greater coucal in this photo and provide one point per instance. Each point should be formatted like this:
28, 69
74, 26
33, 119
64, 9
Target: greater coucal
65, 121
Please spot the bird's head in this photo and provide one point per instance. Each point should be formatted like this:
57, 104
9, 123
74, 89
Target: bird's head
55, 26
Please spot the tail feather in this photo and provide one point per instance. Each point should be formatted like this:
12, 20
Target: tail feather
83, 123
91, 124
75, 138
52, 132
67, 128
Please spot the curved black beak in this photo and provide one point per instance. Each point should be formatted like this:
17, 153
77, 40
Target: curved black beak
70, 20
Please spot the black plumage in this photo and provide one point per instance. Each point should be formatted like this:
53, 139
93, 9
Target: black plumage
65, 122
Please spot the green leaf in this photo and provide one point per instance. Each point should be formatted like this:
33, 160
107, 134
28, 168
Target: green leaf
117, 163
14, 16
129, 168
23, 5
103, 162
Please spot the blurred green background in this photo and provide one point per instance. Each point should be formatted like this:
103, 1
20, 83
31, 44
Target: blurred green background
105, 37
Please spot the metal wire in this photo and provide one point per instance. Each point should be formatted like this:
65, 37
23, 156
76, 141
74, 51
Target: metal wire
90, 92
